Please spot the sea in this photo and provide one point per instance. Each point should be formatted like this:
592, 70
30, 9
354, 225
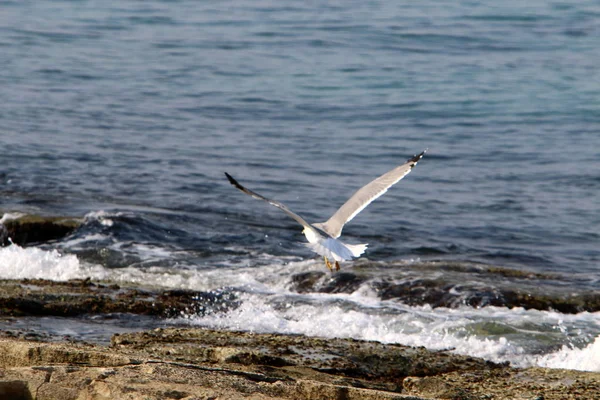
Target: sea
126, 114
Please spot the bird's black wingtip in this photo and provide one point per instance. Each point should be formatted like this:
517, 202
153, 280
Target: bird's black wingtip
233, 181
416, 158
230, 179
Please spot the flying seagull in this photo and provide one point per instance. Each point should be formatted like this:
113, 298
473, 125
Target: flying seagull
323, 237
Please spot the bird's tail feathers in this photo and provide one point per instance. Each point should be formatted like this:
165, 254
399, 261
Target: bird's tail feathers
356, 249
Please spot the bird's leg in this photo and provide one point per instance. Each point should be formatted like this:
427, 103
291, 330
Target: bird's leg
337, 266
328, 264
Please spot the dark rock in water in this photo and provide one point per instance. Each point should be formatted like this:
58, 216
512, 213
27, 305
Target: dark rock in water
198, 303
438, 293
31, 229
3, 235
415, 292
574, 304
454, 284
342, 282
306, 281
107, 257
316, 281
38, 297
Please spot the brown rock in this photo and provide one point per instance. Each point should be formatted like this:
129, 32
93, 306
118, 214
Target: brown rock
29, 229
208, 364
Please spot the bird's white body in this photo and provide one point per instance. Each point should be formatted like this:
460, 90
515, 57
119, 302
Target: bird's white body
328, 245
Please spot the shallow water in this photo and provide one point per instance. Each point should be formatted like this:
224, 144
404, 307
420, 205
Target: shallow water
128, 113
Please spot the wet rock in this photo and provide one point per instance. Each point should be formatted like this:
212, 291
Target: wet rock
306, 281
456, 284
317, 281
565, 304
342, 282
3, 235
439, 293
452, 285
39, 297
415, 292
33, 229
107, 257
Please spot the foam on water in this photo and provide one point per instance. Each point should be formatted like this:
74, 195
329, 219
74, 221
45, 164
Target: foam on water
103, 216
20, 263
11, 216
586, 359
435, 329
33, 263
17, 262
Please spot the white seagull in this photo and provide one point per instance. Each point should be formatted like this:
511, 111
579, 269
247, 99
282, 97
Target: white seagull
328, 245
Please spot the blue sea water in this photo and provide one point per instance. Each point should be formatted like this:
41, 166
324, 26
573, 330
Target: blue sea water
129, 112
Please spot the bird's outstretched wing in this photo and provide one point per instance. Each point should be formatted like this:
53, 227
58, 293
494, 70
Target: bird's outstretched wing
364, 196
277, 204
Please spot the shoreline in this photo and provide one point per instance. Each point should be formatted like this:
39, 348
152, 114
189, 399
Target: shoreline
195, 363
201, 363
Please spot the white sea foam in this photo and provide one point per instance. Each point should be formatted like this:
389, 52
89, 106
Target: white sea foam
11, 216
19, 263
77, 242
435, 329
102, 216
569, 357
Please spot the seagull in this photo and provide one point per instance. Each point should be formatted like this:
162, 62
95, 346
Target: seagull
323, 237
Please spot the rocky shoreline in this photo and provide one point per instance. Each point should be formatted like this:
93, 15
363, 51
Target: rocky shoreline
186, 363
191, 364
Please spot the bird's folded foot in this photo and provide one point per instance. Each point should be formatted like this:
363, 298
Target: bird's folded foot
337, 266
328, 264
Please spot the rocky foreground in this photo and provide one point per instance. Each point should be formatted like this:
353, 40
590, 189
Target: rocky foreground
206, 364
181, 363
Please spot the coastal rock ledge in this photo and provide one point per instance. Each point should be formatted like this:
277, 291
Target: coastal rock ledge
178, 363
